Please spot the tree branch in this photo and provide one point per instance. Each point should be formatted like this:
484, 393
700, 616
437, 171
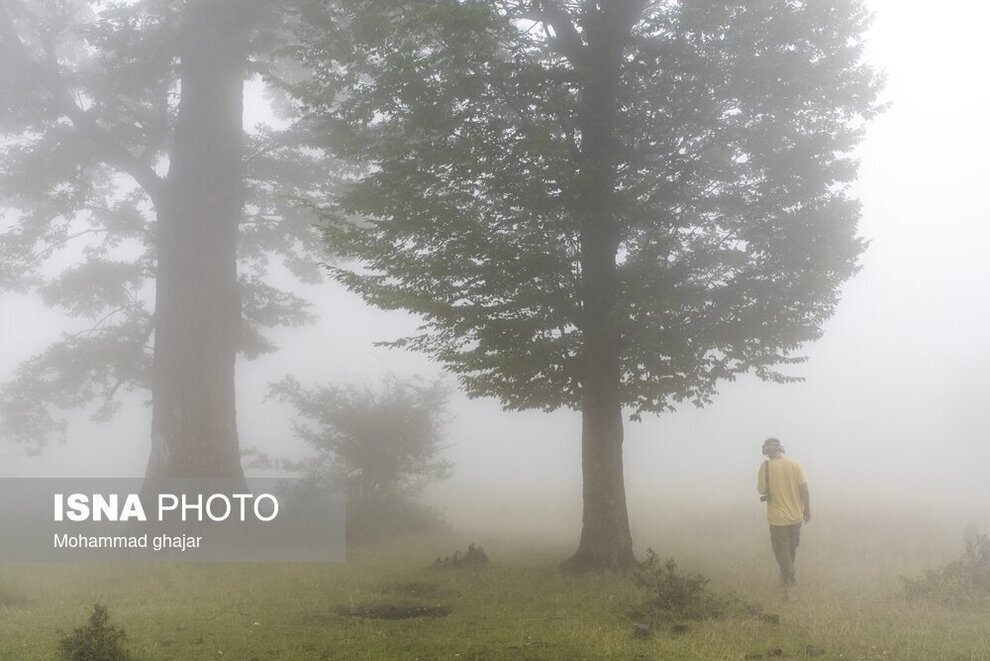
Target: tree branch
110, 151
567, 40
36, 258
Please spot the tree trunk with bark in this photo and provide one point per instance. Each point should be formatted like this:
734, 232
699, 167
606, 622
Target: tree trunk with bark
198, 315
606, 541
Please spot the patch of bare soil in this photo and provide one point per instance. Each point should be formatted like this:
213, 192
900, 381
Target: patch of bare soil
393, 611
417, 589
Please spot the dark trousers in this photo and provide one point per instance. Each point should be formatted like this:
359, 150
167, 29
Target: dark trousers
785, 540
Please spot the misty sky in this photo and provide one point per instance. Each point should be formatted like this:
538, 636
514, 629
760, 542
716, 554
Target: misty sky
892, 405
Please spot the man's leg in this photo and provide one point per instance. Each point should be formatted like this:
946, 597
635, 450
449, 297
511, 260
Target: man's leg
794, 539
780, 540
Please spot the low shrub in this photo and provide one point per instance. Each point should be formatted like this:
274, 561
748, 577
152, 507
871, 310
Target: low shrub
677, 595
475, 556
97, 640
962, 582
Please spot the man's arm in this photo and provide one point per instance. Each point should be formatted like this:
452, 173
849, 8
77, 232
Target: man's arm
803, 490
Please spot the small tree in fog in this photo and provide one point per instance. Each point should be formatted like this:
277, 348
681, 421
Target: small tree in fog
383, 445
597, 205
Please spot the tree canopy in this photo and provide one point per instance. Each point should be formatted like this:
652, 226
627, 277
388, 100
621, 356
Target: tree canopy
730, 219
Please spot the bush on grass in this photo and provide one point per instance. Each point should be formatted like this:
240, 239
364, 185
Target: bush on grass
677, 595
963, 582
475, 556
97, 640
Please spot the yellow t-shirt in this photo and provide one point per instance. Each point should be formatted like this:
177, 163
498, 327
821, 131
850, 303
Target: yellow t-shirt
785, 507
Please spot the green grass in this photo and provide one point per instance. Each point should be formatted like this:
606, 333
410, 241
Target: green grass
519, 607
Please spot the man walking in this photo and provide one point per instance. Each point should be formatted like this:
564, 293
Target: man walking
782, 485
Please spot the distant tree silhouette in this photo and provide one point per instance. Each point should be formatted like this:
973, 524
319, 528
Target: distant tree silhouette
383, 445
125, 157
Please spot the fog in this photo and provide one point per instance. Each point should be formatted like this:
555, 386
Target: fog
888, 419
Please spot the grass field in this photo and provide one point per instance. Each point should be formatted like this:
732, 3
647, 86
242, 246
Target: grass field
848, 605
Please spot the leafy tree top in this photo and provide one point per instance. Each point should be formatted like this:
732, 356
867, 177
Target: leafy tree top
728, 164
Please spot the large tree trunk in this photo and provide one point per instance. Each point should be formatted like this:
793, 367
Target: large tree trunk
197, 317
606, 541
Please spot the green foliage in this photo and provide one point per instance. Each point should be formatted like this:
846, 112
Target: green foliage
963, 582
97, 640
676, 595
382, 445
722, 183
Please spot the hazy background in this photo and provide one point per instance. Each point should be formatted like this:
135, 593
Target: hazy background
888, 423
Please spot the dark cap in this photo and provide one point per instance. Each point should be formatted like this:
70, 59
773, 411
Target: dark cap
772, 444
